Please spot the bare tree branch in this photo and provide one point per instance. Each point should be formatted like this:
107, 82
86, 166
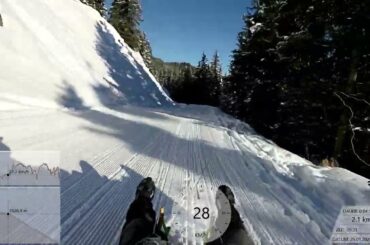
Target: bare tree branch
353, 128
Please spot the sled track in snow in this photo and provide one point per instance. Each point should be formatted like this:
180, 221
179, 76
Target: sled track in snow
105, 156
121, 190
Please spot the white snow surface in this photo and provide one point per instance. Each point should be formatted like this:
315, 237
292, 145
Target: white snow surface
52, 51
69, 83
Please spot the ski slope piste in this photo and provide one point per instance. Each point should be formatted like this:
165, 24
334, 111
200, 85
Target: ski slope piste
69, 83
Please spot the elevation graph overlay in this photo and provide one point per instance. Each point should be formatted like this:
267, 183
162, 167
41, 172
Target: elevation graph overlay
29, 197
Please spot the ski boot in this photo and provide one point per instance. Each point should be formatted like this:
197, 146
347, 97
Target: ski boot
145, 189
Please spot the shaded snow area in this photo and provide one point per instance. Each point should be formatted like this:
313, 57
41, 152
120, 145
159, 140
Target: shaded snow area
69, 83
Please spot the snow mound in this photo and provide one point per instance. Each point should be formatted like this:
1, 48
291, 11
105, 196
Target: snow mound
62, 53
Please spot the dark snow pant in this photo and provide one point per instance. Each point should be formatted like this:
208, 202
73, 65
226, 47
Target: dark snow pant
235, 234
140, 222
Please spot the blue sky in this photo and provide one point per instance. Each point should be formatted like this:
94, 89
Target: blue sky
180, 30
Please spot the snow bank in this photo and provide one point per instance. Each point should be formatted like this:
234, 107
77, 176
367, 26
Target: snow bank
63, 53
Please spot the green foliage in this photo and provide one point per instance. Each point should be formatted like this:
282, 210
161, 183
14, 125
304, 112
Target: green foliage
145, 50
189, 84
125, 16
175, 77
293, 57
216, 79
96, 4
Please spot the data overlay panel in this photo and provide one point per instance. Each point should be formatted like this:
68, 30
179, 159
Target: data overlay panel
352, 226
29, 197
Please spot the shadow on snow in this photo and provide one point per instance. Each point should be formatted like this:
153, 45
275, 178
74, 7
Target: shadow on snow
90, 202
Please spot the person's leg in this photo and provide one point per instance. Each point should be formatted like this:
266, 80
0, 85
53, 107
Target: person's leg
140, 218
235, 234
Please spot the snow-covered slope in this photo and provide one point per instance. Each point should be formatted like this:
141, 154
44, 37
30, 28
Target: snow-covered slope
64, 53
60, 53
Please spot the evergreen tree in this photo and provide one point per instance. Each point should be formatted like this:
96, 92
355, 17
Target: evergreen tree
100, 7
183, 87
203, 82
292, 59
177, 78
350, 35
253, 72
226, 96
96, 4
216, 81
145, 50
125, 16
188, 84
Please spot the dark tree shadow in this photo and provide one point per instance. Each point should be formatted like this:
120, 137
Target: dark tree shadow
137, 135
112, 102
3, 146
5, 158
69, 98
207, 116
129, 77
94, 206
